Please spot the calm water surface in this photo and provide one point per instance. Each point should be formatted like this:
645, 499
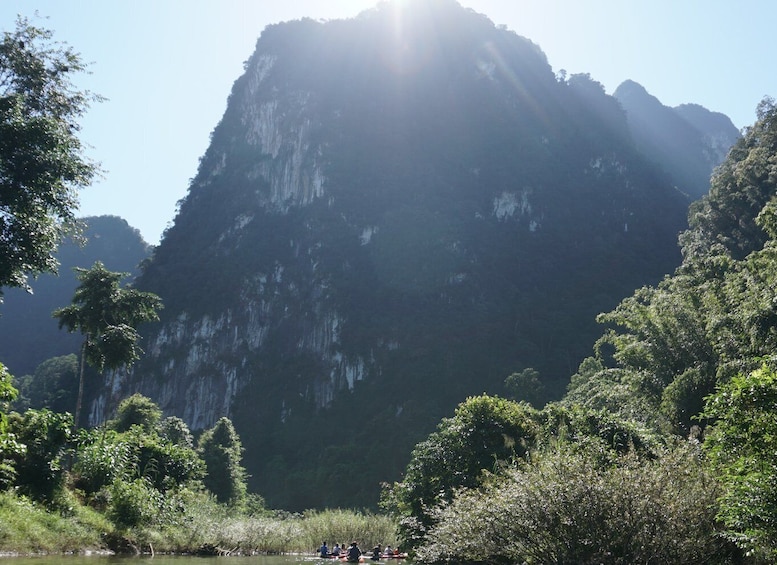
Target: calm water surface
164, 560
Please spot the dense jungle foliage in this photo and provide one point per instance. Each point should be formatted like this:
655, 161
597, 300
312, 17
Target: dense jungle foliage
143, 483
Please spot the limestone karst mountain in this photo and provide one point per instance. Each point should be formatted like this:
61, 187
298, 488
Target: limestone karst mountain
395, 211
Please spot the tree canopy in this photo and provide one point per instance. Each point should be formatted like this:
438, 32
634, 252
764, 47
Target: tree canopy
742, 444
669, 346
42, 162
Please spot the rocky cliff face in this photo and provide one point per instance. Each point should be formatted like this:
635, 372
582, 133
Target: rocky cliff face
396, 211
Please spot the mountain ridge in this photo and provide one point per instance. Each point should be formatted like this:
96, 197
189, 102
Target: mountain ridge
687, 141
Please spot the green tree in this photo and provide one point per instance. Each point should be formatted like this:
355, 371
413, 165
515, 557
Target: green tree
137, 410
484, 434
46, 438
7, 394
107, 316
742, 444
53, 385
668, 347
222, 452
724, 221
175, 430
41, 156
526, 386
9, 446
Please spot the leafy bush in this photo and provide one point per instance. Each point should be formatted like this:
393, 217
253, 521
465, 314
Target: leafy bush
137, 410
565, 507
134, 503
101, 461
742, 445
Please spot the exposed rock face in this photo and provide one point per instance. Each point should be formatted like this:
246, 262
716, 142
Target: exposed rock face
396, 211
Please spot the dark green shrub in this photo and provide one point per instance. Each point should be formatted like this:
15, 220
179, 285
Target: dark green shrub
222, 452
565, 507
134, 503
137, 410
485, 434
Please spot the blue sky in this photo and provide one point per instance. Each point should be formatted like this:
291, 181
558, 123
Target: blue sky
166, 68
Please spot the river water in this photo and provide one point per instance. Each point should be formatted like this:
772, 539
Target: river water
164, 560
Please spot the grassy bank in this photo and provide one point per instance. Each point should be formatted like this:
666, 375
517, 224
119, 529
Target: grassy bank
29, 528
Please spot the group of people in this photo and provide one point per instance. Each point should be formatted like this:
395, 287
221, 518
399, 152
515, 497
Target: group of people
353, 553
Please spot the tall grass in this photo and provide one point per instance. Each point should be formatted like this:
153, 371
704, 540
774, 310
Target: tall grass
209, 525
344, 526
206, 524
197, 521
27, 528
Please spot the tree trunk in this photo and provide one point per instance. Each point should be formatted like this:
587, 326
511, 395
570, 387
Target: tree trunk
80, 386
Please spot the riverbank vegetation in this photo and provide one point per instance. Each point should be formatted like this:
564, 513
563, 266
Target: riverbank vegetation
141, 484
204, 526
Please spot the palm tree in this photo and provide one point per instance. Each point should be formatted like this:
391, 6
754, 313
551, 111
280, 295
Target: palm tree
107, 316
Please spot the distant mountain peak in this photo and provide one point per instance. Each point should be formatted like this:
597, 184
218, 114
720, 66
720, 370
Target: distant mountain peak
688, 141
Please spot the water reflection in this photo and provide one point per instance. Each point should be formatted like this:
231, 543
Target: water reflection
164, 560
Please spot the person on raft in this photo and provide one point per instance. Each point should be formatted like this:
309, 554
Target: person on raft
353, 553
323, 550
336, 550
376, 551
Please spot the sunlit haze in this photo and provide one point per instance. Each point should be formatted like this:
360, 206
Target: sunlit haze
166, 68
